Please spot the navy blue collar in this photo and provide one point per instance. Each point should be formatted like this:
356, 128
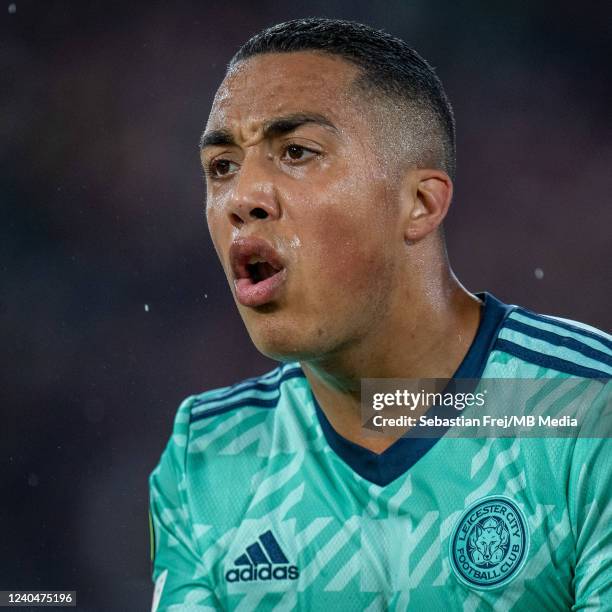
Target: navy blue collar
385, 467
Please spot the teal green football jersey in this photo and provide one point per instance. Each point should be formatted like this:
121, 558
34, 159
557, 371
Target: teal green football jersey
259, 504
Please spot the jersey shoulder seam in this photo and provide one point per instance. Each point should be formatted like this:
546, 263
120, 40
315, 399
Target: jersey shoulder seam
563, 334
565, 325
257, 392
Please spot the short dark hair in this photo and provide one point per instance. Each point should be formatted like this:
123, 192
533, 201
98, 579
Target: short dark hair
388, 65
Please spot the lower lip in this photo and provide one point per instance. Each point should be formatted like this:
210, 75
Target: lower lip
253, 294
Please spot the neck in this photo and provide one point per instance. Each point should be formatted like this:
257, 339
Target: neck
426, 335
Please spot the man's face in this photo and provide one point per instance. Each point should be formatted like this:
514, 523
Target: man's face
301, 205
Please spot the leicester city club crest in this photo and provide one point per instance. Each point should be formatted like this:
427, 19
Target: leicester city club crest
489, 543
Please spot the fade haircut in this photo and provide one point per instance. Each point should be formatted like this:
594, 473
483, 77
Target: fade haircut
388, 67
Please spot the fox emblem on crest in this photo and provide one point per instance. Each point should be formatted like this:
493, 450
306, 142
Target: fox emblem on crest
488, 542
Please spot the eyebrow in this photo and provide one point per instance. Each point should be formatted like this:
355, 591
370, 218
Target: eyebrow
278, 126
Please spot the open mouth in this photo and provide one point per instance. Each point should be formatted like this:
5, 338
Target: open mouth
261, 270
258, 271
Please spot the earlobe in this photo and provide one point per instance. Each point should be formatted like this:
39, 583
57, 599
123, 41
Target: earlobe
428, 196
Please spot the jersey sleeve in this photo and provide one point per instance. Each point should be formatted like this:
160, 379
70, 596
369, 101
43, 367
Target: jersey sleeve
180, 580
590, 491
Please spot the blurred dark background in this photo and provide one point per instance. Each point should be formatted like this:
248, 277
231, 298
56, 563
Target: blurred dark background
113, 307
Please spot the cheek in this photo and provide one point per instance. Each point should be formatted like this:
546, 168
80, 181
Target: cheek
212, 221
219, 229
215, 206
219, 226
351, 242
340, 242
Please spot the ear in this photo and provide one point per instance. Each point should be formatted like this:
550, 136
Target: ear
426, 197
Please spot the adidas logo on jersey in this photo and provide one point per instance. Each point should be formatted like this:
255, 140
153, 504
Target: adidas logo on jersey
263, 560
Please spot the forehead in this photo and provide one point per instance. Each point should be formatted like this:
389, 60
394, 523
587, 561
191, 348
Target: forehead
276, 84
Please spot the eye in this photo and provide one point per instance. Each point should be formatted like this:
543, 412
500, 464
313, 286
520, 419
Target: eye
297, 153
219, 168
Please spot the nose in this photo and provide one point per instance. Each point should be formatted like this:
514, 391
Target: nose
253, 195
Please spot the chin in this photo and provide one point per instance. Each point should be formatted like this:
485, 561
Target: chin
285, 341
281, 347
